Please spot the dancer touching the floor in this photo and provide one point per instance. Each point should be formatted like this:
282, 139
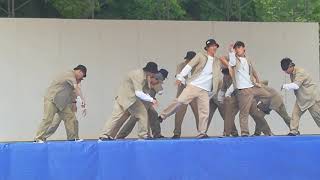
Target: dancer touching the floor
154, 124
274, 103
128, 103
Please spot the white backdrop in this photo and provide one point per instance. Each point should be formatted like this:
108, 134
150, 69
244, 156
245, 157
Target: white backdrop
33, 51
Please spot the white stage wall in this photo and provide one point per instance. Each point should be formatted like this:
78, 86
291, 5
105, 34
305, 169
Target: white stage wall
33, 51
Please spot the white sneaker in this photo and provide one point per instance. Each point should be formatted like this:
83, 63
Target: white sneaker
78, 140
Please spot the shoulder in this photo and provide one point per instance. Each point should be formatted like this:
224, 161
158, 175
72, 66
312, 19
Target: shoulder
182, 64
201, 55
136, 72
67, 75
299, 70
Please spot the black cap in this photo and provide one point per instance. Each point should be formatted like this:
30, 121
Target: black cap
81, 68
151, 67
164, 73
286, 63
225, 71
211, 42
190, 55
238, 44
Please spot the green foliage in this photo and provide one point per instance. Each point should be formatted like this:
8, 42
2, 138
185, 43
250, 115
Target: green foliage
143, 9
75, 8
206, 10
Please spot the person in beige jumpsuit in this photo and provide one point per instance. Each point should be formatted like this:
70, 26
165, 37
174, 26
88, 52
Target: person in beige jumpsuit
77, 105
307, 94
205, 68
275, 103
156, 88
181, 112
129, 102
58, 100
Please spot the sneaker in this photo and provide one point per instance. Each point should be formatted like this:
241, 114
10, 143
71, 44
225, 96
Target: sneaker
175, 137
158, 137
293, 134
76, 140
202, 136
245, 135
108, 138
256, 134
235, 135
145, 138
39, 141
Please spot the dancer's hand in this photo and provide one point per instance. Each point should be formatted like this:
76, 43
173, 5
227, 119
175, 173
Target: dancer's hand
178, 82
84, 112
231, 48
155, 103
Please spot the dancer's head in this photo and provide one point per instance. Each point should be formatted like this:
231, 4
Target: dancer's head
211, 47
239, 48
287, 65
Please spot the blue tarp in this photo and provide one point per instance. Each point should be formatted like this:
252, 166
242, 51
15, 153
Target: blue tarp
252, 158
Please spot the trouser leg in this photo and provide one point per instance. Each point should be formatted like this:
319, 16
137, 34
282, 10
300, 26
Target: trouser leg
70, 123
230, 111
315, 113
118, 117
53, 127
139, 111
296, 115
212, 109
127, 128
282, 111
245, 97
203, 109
49, 112
154, 122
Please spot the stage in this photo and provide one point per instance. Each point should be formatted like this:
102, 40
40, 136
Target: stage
256, 158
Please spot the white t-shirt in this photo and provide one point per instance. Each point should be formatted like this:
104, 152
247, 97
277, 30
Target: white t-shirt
204, 81
242, 75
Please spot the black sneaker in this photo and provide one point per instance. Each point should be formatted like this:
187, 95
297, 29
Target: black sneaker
245, 135
256, 134
175, 137
158, 137
292, 134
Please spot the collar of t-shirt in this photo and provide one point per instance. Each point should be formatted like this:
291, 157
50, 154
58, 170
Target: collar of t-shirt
243, 59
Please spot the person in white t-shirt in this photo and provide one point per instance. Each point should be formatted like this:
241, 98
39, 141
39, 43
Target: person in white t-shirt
245, 81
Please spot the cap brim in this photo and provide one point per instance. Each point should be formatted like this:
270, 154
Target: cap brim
216, 44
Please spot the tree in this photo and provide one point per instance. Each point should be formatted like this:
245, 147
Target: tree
76, 8
142, 9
